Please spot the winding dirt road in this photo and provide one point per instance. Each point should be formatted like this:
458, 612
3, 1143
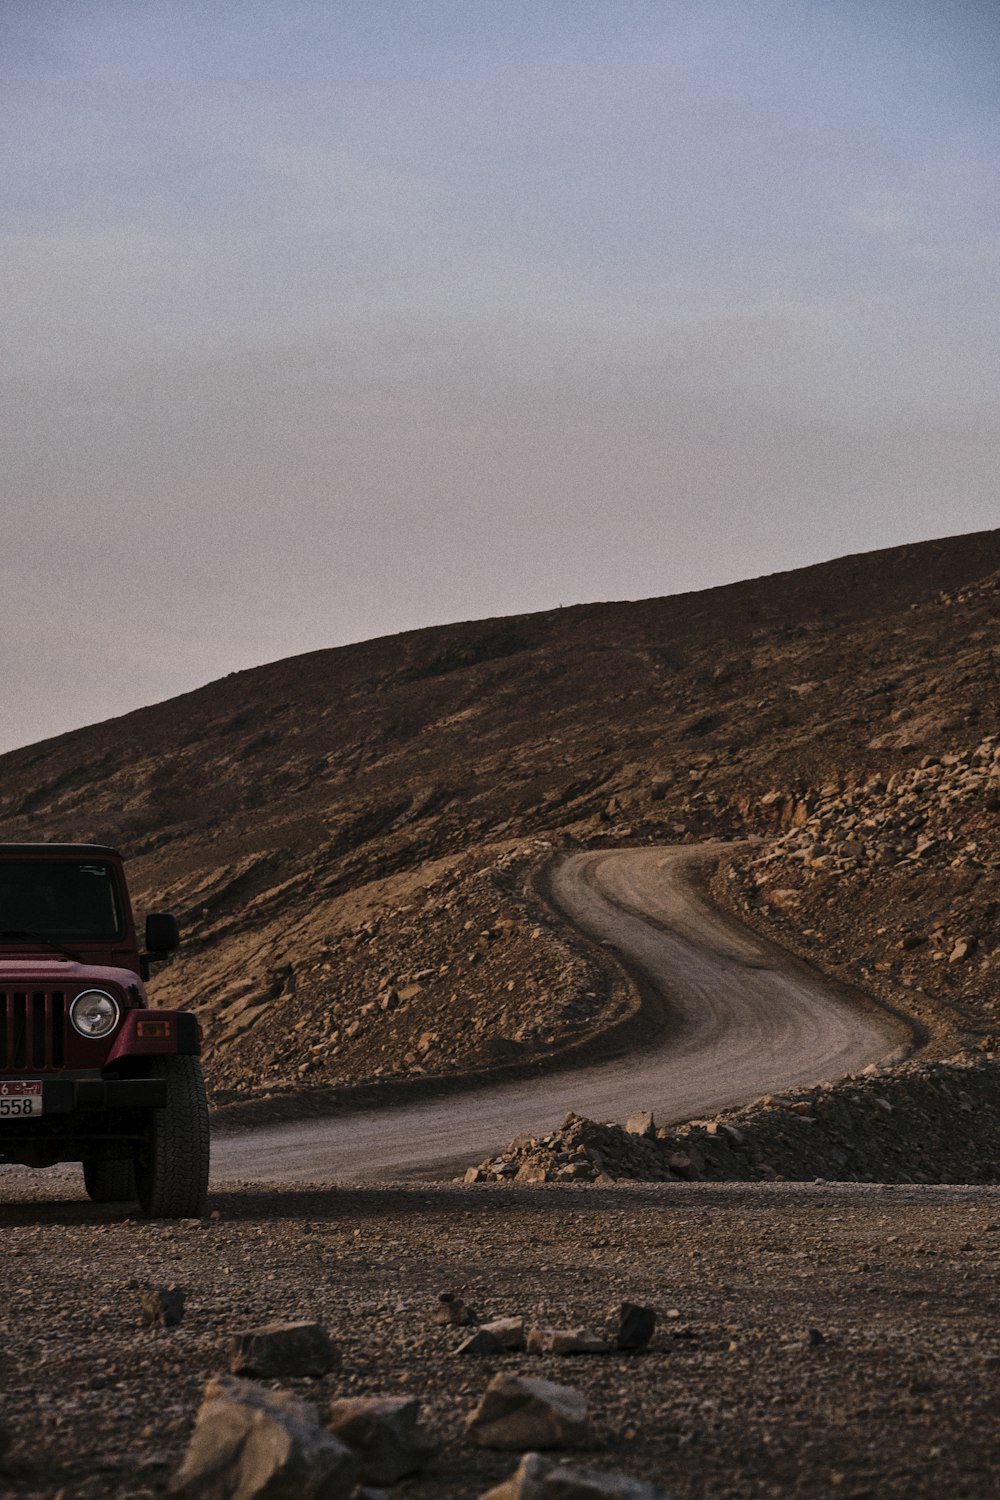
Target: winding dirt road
743, 1019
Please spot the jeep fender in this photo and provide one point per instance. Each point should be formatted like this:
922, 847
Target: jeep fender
156, 1033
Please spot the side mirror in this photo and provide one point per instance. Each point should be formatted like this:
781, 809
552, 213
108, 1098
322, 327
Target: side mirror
162, 934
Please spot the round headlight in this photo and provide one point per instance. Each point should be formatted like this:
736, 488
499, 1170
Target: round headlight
94, 1013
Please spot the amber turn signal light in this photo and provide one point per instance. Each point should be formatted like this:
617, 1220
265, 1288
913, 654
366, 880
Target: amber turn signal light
153, 1030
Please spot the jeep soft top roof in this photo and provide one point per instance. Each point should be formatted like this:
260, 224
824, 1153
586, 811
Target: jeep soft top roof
83, 850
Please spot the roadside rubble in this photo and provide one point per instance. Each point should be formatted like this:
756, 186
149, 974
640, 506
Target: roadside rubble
918, 1122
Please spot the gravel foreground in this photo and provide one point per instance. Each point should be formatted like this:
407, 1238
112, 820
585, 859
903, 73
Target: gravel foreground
813, 1339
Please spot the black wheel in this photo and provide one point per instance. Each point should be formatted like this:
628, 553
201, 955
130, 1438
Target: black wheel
110, 1181
171, 1170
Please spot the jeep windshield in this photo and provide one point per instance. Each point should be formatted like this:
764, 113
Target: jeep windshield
59, 898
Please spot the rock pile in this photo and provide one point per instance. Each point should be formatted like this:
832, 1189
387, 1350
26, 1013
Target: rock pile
921, 1122
910, 818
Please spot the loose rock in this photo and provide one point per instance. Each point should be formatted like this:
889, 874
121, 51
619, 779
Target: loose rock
519, 1413
250, 1442
452, 1311
537, 1478
641, 1124
279, 1350
502, 1336
480, 1342
163, 1307
565, 1341
636, 1326
384, 1434
509, 1332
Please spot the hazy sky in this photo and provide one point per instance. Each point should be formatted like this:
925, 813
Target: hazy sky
323, 319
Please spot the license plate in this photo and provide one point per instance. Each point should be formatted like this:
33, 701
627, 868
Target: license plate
20, 1097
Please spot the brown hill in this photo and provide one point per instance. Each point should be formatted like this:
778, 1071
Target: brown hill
342, 834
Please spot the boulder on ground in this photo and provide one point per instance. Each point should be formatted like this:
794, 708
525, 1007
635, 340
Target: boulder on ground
537, 1478
519, 1413
275, 1351
250, 1443
641, 1123
383, 1433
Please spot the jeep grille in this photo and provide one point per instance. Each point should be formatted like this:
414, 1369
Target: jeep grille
32, 1030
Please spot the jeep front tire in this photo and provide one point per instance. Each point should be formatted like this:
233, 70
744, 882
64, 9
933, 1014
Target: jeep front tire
171, 1169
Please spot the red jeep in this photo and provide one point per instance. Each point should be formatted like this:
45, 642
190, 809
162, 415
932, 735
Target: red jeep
88, 1072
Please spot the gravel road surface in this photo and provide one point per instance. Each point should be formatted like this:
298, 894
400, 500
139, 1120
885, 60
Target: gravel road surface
743, 1018
895, 1394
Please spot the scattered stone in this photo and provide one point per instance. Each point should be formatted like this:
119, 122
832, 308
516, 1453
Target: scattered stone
480, 1342
636, 1326
277, 1351
537, 1478
509, 1332
518, 1413
383, 1433
451, 1311
964, 948
502, 1336
565, 1341
163, 1307
251, 1442
641, 1124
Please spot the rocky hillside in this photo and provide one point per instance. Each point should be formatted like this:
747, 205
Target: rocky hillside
343, 834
